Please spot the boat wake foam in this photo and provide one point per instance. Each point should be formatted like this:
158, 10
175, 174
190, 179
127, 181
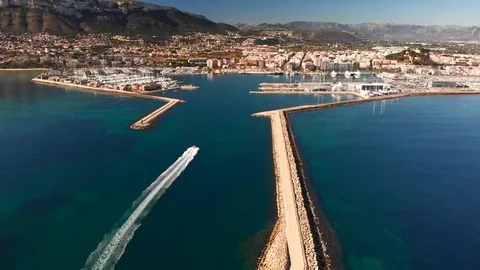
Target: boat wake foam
113, 244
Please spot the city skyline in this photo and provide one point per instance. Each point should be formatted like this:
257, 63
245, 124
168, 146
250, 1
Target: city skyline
428, 12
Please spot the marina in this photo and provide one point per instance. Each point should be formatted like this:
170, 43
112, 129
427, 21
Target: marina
144, 81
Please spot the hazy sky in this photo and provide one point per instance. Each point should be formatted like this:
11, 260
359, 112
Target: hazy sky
442, 12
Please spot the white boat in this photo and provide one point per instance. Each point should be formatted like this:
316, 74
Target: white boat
358, 74
333, 74
348, 74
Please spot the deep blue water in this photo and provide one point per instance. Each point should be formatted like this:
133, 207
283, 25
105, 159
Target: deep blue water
70, 167
399, 181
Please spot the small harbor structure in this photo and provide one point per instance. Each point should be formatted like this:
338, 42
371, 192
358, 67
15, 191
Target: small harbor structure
126, 82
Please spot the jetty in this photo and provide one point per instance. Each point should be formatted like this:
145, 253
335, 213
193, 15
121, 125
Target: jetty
188, 87
142, 124
298, 240
293, 220
147, 121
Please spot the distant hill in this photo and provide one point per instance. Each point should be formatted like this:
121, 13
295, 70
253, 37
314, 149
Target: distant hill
310, 33
327, 36
421, 57
67, 17
373, 31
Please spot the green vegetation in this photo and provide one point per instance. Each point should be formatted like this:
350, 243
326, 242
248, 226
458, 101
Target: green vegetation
413, 57
267, 41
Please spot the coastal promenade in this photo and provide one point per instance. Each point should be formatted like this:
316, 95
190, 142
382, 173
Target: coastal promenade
145, 122
297, 222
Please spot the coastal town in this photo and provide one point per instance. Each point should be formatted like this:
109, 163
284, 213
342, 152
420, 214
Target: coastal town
87, 60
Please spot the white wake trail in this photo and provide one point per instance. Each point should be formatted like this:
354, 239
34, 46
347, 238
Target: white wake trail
113, 244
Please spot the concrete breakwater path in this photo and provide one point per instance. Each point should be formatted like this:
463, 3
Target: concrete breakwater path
306, 93
148, 120
307, 247
145, 122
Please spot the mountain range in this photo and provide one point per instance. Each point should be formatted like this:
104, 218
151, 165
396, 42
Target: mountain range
374, 31
129, 17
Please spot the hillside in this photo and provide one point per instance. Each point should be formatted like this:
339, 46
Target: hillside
373, 31
421, 57
65, 17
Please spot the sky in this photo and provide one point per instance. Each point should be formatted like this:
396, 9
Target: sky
423, 12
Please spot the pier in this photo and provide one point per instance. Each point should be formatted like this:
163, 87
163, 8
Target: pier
297, 241
145, 122
293, 218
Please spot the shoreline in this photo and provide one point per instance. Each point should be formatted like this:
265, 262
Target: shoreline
144, 122
316, 232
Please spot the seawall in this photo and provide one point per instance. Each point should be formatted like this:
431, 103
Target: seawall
145, 122
275, 254
296, 231
305, 93
305, 222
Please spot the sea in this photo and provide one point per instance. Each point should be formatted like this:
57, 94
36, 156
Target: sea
399, 180
70, 169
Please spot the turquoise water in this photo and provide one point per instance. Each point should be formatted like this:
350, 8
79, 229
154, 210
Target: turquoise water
70, 167
399, 181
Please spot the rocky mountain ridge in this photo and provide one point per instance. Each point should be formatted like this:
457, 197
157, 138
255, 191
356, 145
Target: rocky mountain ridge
374, 31
66, 17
